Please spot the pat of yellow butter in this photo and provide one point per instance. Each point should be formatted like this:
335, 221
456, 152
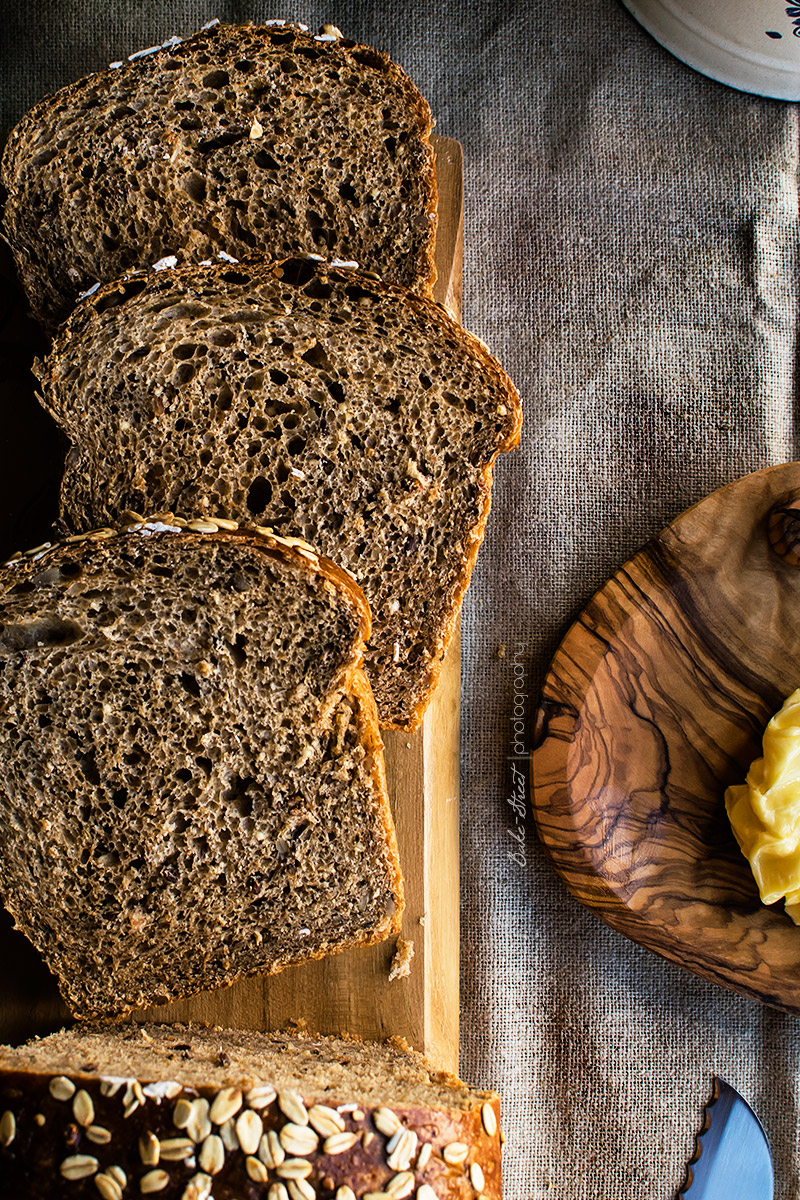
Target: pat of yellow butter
765, 811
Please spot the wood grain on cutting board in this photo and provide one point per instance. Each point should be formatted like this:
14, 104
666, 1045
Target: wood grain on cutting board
349, 991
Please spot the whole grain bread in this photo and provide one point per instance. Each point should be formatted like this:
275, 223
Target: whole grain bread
310, 398
181, 1110
191, 779
235, 141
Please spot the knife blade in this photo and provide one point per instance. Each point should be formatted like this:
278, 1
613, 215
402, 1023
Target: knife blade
731, 1157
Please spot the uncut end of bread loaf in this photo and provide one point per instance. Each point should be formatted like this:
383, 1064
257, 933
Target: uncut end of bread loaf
190, 1113
239, 140
191, 776
307, 397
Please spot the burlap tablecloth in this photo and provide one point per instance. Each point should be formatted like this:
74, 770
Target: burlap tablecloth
631, 256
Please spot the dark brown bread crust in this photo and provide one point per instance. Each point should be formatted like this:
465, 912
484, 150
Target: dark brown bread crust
366, 416
108, 975
237, 140
125, 1119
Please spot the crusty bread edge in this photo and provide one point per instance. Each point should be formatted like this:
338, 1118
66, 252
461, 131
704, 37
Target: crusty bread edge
511, 398
361, 691
261, 537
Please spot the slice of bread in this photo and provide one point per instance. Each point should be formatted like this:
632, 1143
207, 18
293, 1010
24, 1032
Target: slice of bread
191, 778
310, 398
236, 141
179, 1110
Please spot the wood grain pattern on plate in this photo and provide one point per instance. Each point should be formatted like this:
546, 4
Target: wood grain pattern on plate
349, 991
655, 702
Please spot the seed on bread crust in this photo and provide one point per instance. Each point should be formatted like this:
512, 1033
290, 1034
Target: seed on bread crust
339, 1143
425, 1151
149, 1149
256, 1169
182, 1113
153, 1181
270, 1150
455, 1153
294, 1168
300, 1189
176, 1149
8, 1128
108, 1187
386, 1121
83, 1108
99, 1135
292, 1106
400, 1157
61, 1088
262, 1096
249, 1128
325, 1120
212, 1154
79, 1166
298, 1139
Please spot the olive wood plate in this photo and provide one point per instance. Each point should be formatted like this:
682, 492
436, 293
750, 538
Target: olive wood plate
655, 702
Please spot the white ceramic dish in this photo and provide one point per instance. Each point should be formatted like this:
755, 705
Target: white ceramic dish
753, 45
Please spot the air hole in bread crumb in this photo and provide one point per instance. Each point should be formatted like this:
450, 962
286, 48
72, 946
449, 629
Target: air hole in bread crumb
216, 79
189, 683
259, 494
222, 337
238, 796
45, 632
235, 277
237, 649
195, 187
316, 356
183, 373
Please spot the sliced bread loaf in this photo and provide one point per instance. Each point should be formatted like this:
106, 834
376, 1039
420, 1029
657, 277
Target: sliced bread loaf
310, 398
191, 777
181, 1110
237, 140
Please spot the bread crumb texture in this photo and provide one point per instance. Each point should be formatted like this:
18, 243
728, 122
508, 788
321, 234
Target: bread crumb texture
307, 397
191, 776
255, 139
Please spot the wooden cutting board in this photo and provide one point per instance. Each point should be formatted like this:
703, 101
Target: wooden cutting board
349, 991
